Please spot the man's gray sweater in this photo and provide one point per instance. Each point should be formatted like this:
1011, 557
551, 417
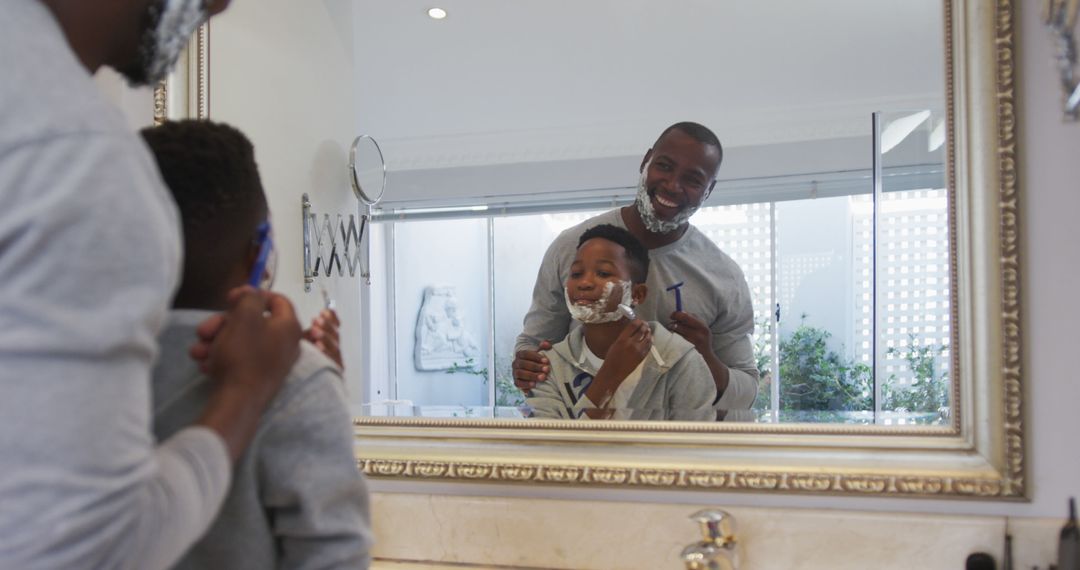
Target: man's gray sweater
89, 256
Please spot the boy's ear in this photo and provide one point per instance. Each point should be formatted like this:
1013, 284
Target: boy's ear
638, 292
250, 258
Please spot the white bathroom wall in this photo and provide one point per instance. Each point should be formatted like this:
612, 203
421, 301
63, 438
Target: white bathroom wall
1050, 179
301, 134
278, 72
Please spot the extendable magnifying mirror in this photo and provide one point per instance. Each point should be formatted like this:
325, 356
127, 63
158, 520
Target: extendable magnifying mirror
367, 170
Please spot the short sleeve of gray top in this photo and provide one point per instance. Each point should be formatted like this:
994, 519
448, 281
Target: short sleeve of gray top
89, 257
714, 290
297, 500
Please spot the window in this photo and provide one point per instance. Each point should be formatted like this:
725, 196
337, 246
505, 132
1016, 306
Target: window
440, 262
803, 260
830, 344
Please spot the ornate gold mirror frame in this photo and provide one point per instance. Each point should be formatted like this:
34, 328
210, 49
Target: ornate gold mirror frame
186, 92
980, 456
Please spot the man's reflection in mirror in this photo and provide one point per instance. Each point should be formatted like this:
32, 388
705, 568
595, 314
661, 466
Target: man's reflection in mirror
614, 366
711, 309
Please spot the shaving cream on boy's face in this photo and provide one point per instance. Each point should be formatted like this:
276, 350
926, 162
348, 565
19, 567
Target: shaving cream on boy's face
648, 214
594, 312
168, 26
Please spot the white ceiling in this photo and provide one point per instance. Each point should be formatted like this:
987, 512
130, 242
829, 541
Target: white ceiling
526, 80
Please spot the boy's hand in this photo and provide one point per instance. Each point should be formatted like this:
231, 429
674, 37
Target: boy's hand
692, 329
530, 367
626, 353
325, 335
629, 349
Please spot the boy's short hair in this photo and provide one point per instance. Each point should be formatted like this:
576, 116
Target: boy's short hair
209, 168
636, 254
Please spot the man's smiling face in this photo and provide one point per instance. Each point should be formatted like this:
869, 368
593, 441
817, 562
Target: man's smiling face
681, 171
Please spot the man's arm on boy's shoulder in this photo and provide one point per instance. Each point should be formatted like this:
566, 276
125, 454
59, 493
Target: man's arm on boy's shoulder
548, 318
316, 498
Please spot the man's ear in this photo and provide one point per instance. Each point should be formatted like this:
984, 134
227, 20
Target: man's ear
645, 160
638, 293
709, 191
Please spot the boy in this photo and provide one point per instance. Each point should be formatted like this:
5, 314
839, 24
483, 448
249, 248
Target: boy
615, 366
297, 498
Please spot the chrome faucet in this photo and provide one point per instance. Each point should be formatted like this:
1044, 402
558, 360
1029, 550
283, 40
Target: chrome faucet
716, 549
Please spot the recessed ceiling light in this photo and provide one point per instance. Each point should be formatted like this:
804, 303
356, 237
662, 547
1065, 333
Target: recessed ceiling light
437, 13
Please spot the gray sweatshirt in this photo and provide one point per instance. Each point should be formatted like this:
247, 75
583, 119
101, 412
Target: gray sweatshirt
714, 290
675, 383
89, 257
298, 500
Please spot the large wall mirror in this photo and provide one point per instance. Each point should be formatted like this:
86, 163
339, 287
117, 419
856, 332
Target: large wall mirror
508, 125
867, 193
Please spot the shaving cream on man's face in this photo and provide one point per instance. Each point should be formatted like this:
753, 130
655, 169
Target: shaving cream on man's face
594, 313
170, 24
648, 214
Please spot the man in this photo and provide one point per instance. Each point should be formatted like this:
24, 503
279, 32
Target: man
89, 258
699, 290
297, 498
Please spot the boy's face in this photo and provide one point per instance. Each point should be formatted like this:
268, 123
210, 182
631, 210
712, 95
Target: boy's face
598, 263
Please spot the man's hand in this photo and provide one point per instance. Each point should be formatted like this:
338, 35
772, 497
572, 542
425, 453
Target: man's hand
531, 367
324, 334
231, 339
692, 329
248, 351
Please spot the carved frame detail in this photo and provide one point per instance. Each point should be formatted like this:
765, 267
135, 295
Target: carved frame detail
1005, 42
186, 92
712, 480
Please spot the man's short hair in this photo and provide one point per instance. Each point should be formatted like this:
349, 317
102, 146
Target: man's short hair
210, 170
698, 132
636, 254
